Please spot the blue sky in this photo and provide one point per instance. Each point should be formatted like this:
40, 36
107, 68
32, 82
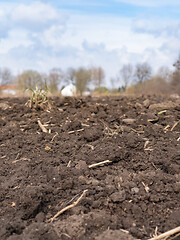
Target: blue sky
71, 33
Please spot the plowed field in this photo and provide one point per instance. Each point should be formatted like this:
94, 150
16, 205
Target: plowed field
133, 195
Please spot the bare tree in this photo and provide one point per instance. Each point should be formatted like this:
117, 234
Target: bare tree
6, 76
142, 72
82, 78
97, 76
177, 64
70, 75
54, 78
30, 79
113, 81
165, 73
126, 74
175, 81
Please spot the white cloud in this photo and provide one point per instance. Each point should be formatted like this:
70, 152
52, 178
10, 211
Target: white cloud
52, 36
15, 38
152, 3
93, 47
35, 16
31, 24
41, 37
157, 27
4, 23
171, 48
117, 33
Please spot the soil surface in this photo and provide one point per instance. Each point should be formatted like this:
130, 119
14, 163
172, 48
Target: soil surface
133, 196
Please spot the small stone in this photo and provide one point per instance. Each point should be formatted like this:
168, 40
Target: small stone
174, 96
138, 105
92, 134
135, 190
94, 182
40, 217
128, 121
81, 165
47, 148
110, 189
114, 234
4, 106
82, 180
163, 106
176, 187
146, 103
118, 196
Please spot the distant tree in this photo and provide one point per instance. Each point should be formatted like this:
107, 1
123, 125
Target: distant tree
6, 77
175, 81
126, 74
165, 73
155, 85
177, 64
30, 79
54, 78
97, 76
82, 78
113, 81
70, 75
142, 72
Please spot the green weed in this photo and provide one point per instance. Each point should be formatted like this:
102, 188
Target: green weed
38, 99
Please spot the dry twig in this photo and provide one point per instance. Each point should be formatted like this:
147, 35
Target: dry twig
91, 146
54, 137
176, 123
42, 127
138, 132
68, 207
148, 149
167, 234
145, 187
99, 164
69, 164
154, 165
146, 143
79, 130
85, 125
21, 159
174, 237
166, 128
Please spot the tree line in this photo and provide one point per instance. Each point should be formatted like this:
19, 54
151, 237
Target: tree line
55, 79
128, 77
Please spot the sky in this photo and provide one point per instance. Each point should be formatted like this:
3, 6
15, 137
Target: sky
42, 35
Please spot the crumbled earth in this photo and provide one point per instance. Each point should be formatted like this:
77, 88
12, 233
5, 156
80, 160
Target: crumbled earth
133, 196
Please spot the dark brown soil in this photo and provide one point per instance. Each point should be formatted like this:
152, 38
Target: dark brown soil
41, 173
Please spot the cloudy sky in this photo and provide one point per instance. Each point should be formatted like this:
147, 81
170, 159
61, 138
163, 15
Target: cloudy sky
71, 33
